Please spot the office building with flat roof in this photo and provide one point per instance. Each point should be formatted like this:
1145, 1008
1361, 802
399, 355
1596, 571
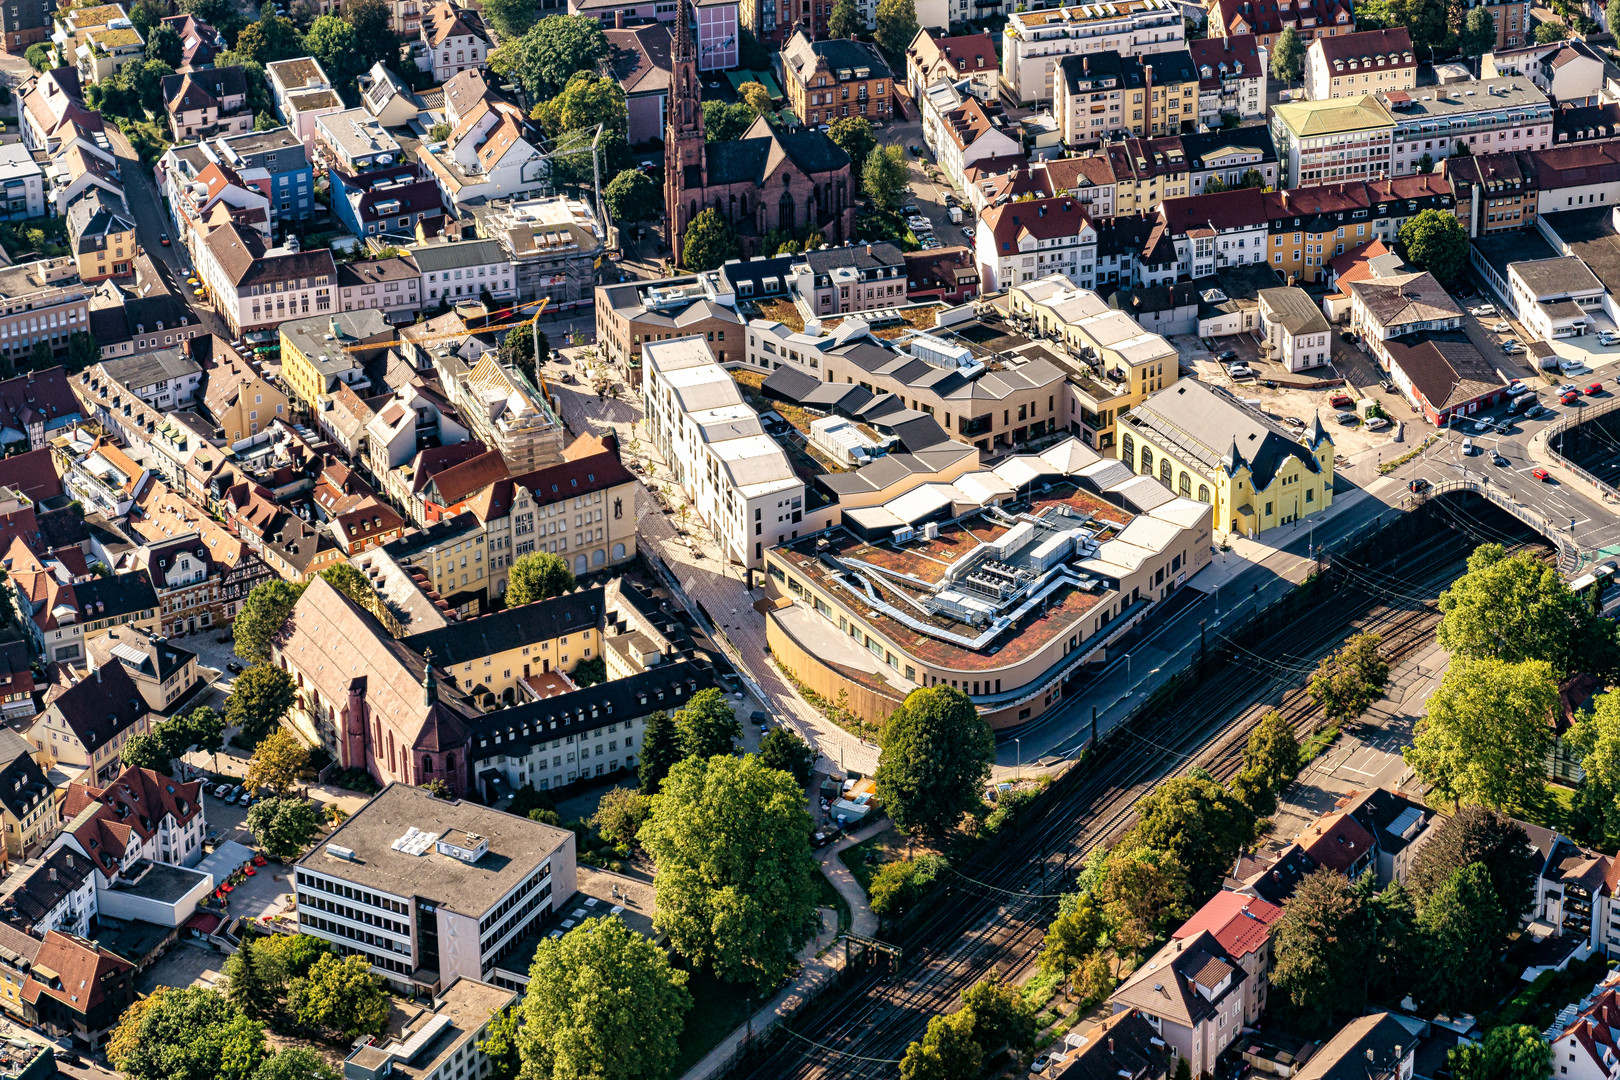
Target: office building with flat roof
432, 890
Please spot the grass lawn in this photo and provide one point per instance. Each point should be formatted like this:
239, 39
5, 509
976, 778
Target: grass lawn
717, 1009
830, 898
886, 846
1314, 746
1551, 812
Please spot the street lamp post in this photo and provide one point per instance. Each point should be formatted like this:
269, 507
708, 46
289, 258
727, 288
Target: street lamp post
1127, 667
1020, 747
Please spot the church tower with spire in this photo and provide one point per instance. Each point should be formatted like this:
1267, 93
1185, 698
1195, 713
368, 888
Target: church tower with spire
683, 138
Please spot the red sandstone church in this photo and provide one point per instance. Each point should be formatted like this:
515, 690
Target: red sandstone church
767, 180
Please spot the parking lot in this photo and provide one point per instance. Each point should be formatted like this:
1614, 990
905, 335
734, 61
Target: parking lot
1294, 408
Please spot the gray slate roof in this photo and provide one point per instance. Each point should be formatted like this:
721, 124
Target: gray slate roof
1207, 426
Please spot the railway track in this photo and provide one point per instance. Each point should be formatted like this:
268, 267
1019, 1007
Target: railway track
993, 911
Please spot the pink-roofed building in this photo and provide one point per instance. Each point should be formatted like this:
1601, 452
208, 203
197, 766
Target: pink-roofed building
1242, 924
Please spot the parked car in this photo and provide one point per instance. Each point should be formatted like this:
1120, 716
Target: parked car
1377, 423
1567, 388
1348, 335
1501, 328
1293, 421
1341, 401
762, 718
233, 667
163, 238
1516, 387
1513, 348
1540, 474
1240, 371
1595, 388
1608, 337
1570, 398
910, 209
1346, 418
967, 231
1226, 355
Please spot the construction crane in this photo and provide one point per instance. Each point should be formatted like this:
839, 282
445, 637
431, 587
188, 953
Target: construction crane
538, 305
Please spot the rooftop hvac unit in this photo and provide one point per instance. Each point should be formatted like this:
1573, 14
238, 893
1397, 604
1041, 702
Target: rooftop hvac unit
903, 535
930, 531
338, 851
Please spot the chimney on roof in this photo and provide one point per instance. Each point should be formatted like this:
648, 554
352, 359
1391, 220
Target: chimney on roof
1110, 1044
618, 19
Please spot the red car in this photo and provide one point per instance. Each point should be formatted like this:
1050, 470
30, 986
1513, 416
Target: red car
1540, 474
1570, 398
1595, 388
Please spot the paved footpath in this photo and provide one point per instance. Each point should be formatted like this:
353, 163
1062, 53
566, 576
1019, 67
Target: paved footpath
816, 970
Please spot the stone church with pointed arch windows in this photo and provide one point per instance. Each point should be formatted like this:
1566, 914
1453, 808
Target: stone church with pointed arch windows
770, 180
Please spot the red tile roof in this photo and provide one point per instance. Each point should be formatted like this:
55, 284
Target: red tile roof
1240, 923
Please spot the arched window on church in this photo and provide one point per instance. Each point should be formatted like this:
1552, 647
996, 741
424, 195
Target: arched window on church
732, 214
427, 764
784, 213
693, 214
745, 204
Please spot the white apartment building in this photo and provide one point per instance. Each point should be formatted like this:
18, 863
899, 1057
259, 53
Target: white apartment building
1214, 231
432, 890
961, 131
1022, 241
1368, 62
1295, 328
463, 270
1231, 77
1492, 116
1035, 41
1323, 142
739, 480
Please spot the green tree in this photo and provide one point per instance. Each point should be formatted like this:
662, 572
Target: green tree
278, 761
1287, 56
854, 136
245, 984
1319, 949
586, 100
1346, 684
347, 580
1612, 17
1143, 893
846, 20
1491, 839
1516, 1052
285, 957
342, 996
884, 176
333, 41
1270, 763
735, 881
782, 749
203, 728
1073, 936
1460, 925
947, 1051
500, 1044
296, 1063
633, 196
509, 18
752, 56
1425, 164
1551, 31
284, 827
262, 616
1001, 1016
265, 122
708, 725
709, 241
936, 755
620, 813
901, 884
147, 751
189, 1033
757, 97
38, 56
538, 576
660, 750
548, 53
165, 45
1436, 242
269, 40
1594, 739
146, 79
373, 38
1517, 608
44, 356
1487, 735
726, 122
263, 694
1198, 822
896, 26
1478, 32
573, 1030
